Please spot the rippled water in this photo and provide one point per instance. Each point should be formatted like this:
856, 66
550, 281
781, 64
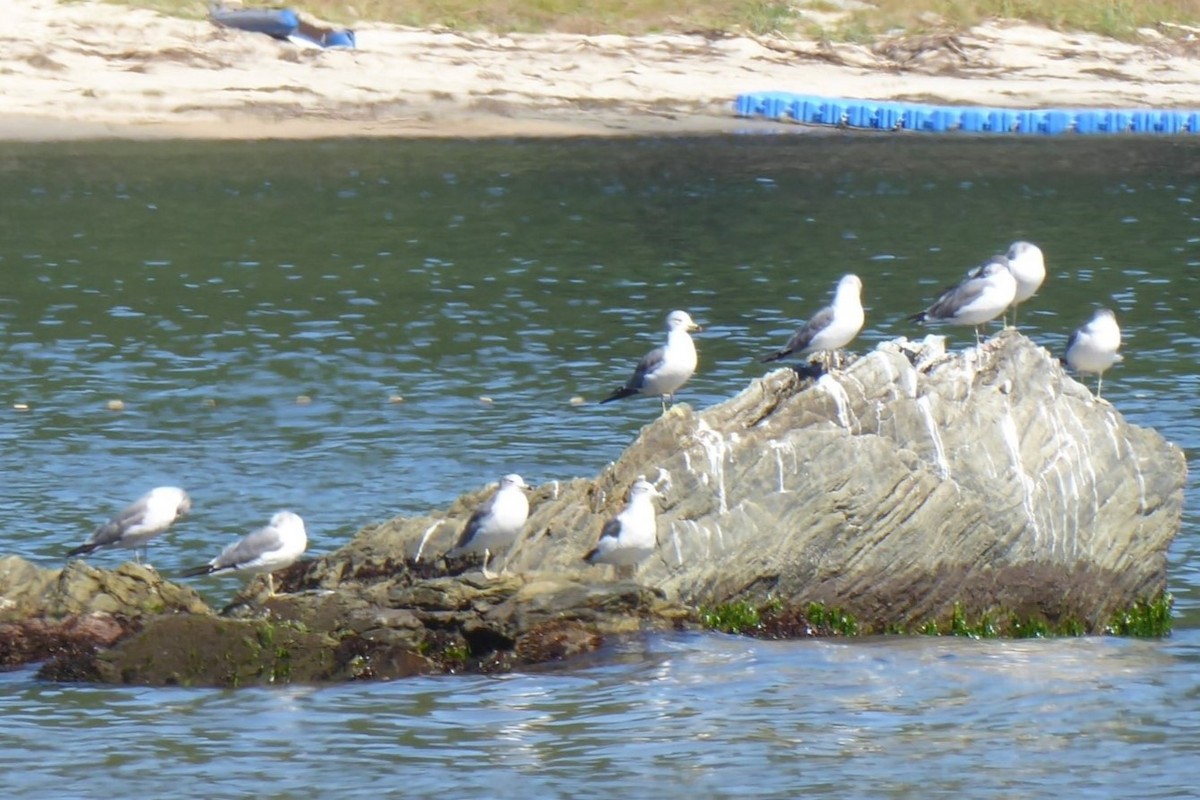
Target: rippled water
209, 287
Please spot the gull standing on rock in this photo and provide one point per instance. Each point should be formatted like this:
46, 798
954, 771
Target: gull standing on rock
978, 298
138, 523
497, 522
629, 538
276, 546
831, 328
1093, 348
664, 369
1028, 268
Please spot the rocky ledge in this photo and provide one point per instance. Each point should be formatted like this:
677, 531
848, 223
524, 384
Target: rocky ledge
915, 491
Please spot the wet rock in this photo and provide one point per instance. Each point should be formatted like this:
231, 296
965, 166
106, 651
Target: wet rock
65, 616
913, 485
916, 488
131, 590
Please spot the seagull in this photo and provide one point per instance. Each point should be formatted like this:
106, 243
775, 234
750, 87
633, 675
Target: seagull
1028, 268
831, 328
1093, 348
981, 296
496, 523
630, 537
276, 546
138, 523
664, 369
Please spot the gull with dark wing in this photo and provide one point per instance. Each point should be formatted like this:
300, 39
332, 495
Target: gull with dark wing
276, 546
831, 328
629, 538
496, 523
1028, 268
138, 523
1093, 348
664, 369
978, 298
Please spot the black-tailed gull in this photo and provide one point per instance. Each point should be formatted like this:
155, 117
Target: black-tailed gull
630, 537
978, 298
1093, 348
1028, 268
664, 369
496, 523
276, 546
138, 523
831, 328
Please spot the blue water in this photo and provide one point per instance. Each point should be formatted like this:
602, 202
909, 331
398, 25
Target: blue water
260, 308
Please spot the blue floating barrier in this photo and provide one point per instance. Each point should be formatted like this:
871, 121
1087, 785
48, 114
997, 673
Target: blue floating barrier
775, 104
1029, 122
889, 117
1173, 122
1000, 120
1144, 121
861, 115
1056, 123
1087, 122
914, 117
1115, 121
941, 120
972, 120
867, 114
805, 109
831, 113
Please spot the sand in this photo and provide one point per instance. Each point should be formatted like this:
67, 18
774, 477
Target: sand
86, 70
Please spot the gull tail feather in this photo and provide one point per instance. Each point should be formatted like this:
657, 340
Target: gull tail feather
194, 571
619, 394
920, 316
82, 550
778, 355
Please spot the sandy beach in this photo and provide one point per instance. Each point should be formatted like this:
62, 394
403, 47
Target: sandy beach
87, 70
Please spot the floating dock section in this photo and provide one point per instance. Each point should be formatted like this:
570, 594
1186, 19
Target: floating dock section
922, 118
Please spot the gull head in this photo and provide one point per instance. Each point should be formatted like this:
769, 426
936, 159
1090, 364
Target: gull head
287, 521
1025, 251
185, 504
513, 479
681, 320
996, 265
642, 488
849, 285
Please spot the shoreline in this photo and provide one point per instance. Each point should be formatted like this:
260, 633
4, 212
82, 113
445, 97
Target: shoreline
94, 71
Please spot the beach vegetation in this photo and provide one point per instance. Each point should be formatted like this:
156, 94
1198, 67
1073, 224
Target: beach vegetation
821, 19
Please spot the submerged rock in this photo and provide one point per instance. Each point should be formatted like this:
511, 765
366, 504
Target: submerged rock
913, 489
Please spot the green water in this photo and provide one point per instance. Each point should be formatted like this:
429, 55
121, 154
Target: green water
209, 286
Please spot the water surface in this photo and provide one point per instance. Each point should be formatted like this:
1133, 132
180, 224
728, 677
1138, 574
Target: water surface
260, 307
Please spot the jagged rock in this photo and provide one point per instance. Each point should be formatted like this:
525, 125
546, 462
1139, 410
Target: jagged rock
63, 617
389, 629
914, 487
912, 484
131, 590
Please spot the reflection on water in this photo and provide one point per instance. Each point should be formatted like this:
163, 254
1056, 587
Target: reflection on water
392, 285
716, 715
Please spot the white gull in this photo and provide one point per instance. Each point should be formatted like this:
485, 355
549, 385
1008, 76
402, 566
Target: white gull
139, 522
496, 523
831, 328
664, 369
273, 547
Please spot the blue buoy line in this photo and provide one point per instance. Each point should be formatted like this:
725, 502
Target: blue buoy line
923, 118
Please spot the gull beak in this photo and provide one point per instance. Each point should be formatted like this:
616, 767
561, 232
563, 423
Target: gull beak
695, 327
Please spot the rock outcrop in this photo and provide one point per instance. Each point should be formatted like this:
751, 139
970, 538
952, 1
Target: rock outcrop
914, 483
911, 491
